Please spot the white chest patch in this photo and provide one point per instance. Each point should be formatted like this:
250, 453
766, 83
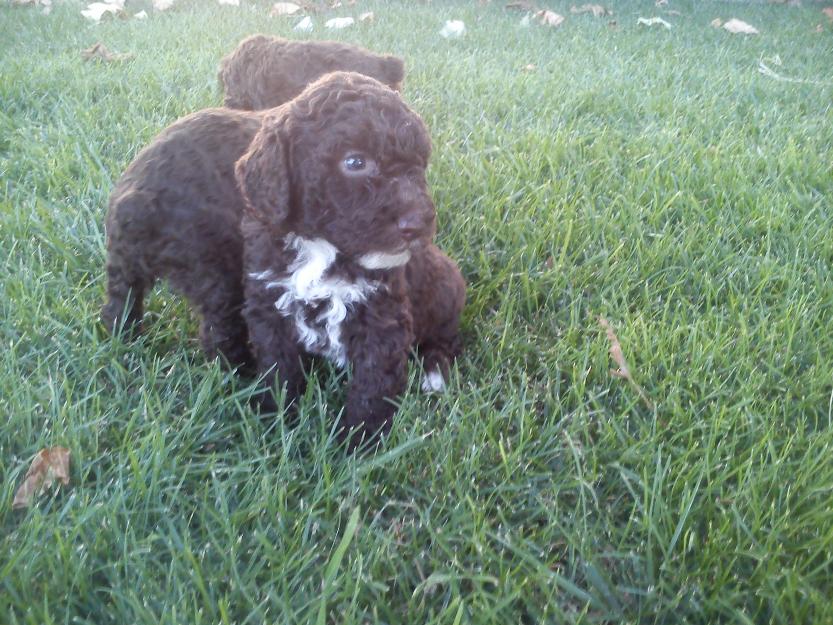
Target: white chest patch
317, 304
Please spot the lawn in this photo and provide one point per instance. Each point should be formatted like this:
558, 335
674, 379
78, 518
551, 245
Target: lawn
653, 177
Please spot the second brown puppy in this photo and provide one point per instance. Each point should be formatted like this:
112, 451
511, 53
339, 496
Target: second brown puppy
263, 72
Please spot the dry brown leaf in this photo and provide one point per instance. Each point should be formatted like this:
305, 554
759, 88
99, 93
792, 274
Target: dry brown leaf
716, 23
828, 11
47, 466
47, 4
522, 5
596, 9
618, 358
549, 18
653, 21
738, 27
367, 17
99, 52
284, 8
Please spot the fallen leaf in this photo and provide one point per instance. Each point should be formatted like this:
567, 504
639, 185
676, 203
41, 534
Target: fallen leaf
97, 10
738, 27
523, 5
453, 29
284, 8
304, 26
653, 21
337, 23
162, 5
231, 3
828, 11
618, 357
549, 18
716, 23
46, 4
776, 60
367, 17
596, 9
47, 466
99, 52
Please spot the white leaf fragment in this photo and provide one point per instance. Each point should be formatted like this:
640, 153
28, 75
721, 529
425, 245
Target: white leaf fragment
337, 23
304, 26
653, 21
453, 29
739, 27
97, 10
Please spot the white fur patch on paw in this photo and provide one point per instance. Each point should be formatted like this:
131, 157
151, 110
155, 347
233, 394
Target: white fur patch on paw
432, 382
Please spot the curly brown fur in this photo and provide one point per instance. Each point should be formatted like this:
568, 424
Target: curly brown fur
322, 244
263, 72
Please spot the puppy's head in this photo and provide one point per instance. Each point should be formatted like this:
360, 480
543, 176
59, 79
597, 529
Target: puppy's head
344, 161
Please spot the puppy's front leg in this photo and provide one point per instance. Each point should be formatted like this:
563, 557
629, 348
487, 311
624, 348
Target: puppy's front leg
276, 351
377, 347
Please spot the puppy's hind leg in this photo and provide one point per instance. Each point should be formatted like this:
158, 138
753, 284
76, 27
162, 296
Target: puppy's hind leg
217, 293
438, 315
437, 356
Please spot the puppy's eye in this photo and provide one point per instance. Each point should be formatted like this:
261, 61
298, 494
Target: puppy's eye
357, 165
354, 162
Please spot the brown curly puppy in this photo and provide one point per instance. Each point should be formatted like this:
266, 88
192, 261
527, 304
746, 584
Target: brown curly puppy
263, 72
322, 243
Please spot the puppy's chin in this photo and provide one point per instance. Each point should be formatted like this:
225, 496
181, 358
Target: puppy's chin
385, 260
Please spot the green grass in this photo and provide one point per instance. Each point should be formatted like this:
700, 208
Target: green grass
654, 177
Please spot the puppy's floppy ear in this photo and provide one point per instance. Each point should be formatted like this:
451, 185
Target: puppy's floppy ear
394, 70
262, 175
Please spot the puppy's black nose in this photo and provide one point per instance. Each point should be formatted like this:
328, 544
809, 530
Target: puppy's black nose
412, 226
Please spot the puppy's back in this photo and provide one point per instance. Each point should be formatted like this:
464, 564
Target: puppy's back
192, 154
